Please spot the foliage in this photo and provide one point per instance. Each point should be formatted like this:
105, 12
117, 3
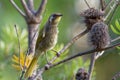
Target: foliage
9, 46
9, 38
116, 28
19, 63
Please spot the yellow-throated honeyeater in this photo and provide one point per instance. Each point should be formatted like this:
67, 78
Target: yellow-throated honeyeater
47, 39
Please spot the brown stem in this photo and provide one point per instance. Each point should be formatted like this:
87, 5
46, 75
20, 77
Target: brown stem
32, 37
33, 21
112, 9
109, 3
17, 8
18, 45
26, 9
118, 38
41, 8
91, 67
116, 6
31, 5
102, 4
84, 53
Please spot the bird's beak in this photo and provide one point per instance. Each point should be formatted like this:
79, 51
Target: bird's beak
58, 18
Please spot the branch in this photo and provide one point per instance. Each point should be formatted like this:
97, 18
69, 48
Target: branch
17, 8
91, 67
41, 8
38, 73
69, 44
113, 14
84, 53
87, 4
49, 65
25, 6
18, 45
109, 3
112, 8
31, 5
102, 4
115, 39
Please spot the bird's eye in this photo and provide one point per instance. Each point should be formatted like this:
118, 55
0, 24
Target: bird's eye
51, 18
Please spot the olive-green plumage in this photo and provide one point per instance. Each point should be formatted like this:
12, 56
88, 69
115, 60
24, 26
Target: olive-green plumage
47, 39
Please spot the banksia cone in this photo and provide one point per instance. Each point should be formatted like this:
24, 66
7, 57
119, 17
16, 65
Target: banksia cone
99, 36
92, 13
91, 16
81, 74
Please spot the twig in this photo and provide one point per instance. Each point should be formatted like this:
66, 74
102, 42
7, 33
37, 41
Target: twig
39, 73
25, 6
91, 67
72, 78
22, 74
115, 39
102, 4
19, 52
113, 13
18, 45
110, 2
41, 8
84, 53
115, 5
17, 8
31, 5
87, 4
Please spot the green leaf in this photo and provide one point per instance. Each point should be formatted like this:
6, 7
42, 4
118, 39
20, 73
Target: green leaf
114, 30
118, 47
117, 25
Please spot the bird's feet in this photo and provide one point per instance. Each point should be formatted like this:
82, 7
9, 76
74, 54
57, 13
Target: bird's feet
57, 54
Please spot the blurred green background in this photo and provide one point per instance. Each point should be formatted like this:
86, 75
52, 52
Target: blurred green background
105, 67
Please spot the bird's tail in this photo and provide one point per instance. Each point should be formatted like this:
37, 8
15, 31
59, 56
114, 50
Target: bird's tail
31, 67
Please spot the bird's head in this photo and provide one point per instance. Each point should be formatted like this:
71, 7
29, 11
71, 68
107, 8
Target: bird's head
55, 18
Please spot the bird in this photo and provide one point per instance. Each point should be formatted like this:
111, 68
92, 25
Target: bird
47, 39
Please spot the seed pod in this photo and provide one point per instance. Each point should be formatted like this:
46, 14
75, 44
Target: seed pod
91, 16
99, 36
92, 13
81, 74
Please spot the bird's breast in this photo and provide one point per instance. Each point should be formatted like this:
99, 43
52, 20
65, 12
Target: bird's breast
49, 40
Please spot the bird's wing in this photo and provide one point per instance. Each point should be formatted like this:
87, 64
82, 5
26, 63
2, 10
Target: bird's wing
40, 36
43, 32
